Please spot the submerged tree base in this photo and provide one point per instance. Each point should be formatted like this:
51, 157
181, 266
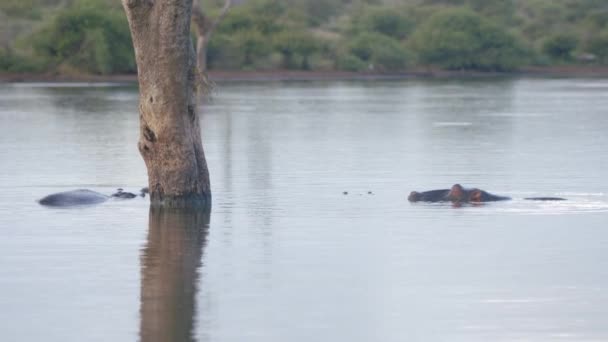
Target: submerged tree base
198, 201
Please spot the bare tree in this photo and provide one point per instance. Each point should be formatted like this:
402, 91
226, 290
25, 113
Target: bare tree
170, 137
204, 28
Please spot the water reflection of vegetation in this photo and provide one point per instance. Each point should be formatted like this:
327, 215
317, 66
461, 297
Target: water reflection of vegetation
91, 36
170, 265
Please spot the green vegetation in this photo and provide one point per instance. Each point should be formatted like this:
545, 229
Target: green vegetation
598, 46
560, 46
383, 20
461, 39
92, 36
378, 51
85, 37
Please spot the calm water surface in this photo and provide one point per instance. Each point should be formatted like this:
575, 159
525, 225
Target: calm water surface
284, 255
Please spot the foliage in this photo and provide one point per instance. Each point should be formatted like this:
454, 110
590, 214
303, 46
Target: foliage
87, 38
560, 46
26, 9
251, 44
222, 53
317, 12
501, 11
461, 39
379, 51
92, 36
597, 20
11, 62
384, 20
262, 16
598, 45
351, 62
541, 19
295, 43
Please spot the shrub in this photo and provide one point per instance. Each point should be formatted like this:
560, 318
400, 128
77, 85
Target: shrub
560, 46
384, 20
295, 43
598, 45
11, 62
20, 8
262, 16
382, 52
251, 46
221, 52
460, 39
389, 57
89, 38
351, 62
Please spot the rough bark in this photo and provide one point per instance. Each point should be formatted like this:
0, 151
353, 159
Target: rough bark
204, 28
170, 138
170, 265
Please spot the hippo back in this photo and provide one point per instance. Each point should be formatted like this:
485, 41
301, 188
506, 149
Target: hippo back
429, 196
73, 198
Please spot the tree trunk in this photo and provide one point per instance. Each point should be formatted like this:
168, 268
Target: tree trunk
201, 54
170, 138
203, 29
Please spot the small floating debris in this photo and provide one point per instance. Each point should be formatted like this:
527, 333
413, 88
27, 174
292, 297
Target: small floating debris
345, 193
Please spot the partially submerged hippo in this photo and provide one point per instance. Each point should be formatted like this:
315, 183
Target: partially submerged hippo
460, 194
84, 197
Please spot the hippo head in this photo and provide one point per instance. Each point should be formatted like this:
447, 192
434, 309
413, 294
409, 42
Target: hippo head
414, 196
459, 194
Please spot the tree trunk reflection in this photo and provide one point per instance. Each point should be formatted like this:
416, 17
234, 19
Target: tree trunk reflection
170, 265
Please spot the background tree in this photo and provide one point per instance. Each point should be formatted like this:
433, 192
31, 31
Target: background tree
378, 51
560, 46
293, 44
170, 134
250, 45
598, 45
389, 21
462, 39
92, 37
204, 28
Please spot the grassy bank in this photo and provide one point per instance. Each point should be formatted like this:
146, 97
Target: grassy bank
295, 75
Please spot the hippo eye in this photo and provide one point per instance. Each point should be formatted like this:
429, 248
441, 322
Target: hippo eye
476, 196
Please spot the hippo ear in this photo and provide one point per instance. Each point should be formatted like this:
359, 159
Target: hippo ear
475, 196
414, 196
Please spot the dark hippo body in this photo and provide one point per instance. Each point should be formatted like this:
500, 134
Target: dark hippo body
73, 198
82, 197
460, 194
429, 196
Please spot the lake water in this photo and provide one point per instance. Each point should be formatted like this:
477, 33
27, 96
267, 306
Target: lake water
285, 255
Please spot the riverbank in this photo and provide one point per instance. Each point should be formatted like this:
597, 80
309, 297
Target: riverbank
287, 75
